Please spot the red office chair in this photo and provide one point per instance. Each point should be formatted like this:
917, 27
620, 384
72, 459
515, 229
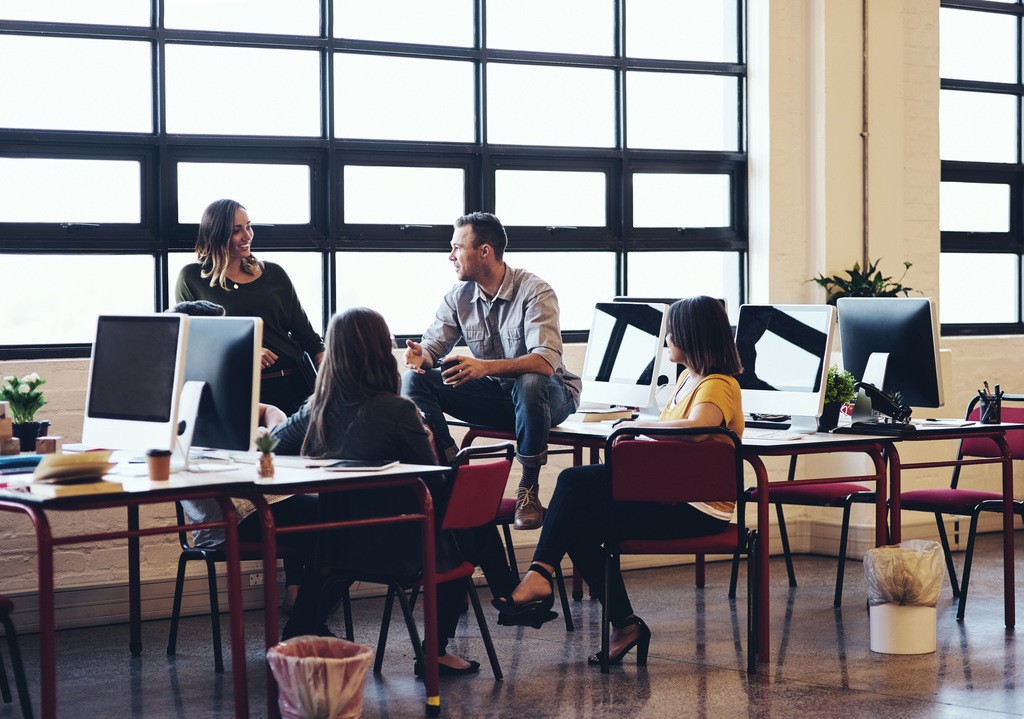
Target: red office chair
474, 500
671, 472
842, 495
6, 607
969, 502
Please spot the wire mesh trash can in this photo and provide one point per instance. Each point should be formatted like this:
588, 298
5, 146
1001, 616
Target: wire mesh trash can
903, 589
319, 677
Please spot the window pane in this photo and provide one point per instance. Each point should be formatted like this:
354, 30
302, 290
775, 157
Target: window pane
75, 84
360, 285
99, 12
974, 207
295, 17
242, 91
664, 200
685, 274
397, 195
563, 199
579, 279
681, 112
977, 126
429, 22
574, 26
273, 194
965, 277
43, 190
977, 45
303, 268
533, 105
682, 29
397, 98
35, 317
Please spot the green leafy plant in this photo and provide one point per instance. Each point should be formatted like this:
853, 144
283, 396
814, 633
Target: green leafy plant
266, 443
23, 396
840, 386
869, 283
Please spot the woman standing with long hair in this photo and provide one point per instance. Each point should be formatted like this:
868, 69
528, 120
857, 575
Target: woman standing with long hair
228, 274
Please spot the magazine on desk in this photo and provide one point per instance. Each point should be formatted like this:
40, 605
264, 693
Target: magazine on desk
65, 475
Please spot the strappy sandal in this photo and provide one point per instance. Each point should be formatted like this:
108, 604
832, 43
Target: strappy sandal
642, 643
528, 614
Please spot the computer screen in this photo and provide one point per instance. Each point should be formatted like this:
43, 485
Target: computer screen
904, 328
624, 355
134, 382
785, 351
223, 353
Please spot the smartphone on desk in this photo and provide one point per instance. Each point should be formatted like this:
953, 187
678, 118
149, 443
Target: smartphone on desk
360, 465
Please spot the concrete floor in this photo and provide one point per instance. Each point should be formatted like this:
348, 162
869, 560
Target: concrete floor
821, 662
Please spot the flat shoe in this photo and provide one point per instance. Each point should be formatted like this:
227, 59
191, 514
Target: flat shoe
443, 670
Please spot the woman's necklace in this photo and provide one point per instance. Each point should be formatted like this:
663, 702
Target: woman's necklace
682, 390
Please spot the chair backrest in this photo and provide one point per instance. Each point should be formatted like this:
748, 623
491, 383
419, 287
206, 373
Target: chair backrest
676, 471
478, 487
984, 447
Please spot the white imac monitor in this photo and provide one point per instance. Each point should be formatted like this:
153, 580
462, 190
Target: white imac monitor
785, 351
135, 379
624, 356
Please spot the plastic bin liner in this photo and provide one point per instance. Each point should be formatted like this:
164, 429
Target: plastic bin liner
909, 573
319, 677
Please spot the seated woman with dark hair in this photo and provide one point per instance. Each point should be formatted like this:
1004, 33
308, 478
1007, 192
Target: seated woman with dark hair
356, 412
706, 395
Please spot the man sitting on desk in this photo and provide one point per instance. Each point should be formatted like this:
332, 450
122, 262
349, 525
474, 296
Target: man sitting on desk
514, 377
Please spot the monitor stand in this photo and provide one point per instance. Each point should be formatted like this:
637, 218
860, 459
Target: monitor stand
874, 374
803, 424
188, 410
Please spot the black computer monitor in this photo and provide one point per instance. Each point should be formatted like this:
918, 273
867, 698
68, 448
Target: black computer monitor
222, 364
906, 329
135, 377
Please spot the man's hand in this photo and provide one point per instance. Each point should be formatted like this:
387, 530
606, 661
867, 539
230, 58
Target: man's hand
415, 358
456, 369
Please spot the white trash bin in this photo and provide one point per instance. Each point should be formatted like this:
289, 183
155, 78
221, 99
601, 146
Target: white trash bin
903, 589
319, 677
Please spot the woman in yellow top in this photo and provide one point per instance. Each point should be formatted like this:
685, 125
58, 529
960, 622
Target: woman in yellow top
707, 395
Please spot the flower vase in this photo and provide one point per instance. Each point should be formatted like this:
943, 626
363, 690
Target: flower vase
266, 467
28, 432
829, 418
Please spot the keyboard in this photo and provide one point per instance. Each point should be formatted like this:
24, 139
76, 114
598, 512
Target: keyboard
779, 435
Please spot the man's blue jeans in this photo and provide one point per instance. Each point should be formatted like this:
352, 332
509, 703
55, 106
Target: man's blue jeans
533, 405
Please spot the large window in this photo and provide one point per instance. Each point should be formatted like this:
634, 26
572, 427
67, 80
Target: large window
981, 214
607, 135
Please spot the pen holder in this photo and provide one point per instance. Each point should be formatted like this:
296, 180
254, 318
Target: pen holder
990, 410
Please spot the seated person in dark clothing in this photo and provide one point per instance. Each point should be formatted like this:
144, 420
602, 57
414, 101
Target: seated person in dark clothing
356, 413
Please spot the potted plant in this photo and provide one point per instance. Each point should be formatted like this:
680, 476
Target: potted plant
25, 398
839, 389
869, 283
265, 444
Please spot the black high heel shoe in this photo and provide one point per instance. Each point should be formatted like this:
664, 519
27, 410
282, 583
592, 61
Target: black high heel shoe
642, 643
528, 614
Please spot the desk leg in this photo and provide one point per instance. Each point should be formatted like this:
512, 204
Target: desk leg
881, 505
134, 586
1009, 610
271, 630
895, 484
47, 622
763, 598
234, 579
433, 703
